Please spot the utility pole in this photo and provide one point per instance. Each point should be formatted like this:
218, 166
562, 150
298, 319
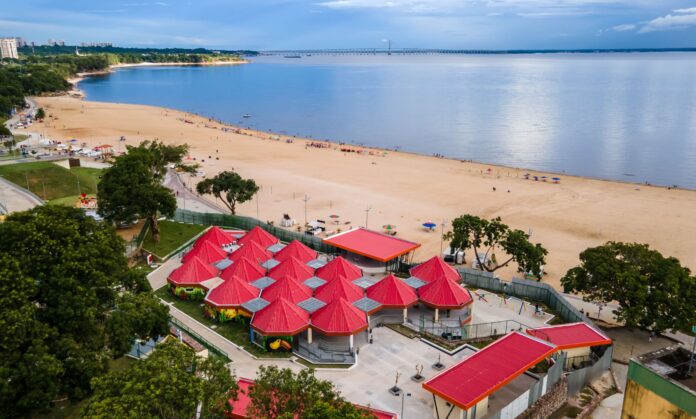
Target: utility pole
442, 234
305, 199
26, 177
257, 205
367, 213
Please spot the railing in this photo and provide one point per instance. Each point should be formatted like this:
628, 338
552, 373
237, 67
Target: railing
452, 329
203, 341
319, 356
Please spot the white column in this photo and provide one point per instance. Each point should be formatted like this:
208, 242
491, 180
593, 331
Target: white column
437, 315
309, 335
351, 342
405, 314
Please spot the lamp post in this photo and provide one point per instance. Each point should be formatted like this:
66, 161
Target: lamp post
367, 213
403, 396
442, 235
306, 199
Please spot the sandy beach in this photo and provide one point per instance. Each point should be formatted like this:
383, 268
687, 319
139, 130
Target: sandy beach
400, 188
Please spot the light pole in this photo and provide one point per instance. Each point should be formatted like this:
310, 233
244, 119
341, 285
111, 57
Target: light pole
367, 213
403, 396
305, 199
442, 237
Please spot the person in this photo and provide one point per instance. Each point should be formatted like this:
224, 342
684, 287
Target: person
494, 189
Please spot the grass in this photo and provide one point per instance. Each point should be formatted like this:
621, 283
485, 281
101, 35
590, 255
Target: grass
172, 236
235, 332
403, 330
50, 181
68, 201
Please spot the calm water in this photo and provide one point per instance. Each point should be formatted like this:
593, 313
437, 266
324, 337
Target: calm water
616, 116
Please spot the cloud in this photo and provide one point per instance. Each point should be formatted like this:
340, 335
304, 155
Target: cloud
622, 28
146, 4
681, 19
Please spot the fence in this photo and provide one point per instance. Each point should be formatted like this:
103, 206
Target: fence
203, 341
136, 242
453, 329
247, 223
578, 379
525, 289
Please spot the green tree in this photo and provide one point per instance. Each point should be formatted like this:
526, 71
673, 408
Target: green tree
68, 303
132, 187
230, 188
4, 131
472, 232
280, 393
653, 292
40, 113
171, 383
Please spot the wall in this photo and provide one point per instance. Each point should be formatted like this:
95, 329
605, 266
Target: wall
648, 392
442, 407
578, 379
549, 402
641, 403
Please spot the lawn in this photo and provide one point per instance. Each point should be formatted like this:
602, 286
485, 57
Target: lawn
235, 332
50, 181
172, 236
68, 201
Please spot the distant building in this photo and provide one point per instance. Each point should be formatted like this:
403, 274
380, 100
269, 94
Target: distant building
21, 42
659, 386
55, 43
8, 48
96, 44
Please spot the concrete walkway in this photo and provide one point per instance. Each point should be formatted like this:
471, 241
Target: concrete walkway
186, 198
14, 198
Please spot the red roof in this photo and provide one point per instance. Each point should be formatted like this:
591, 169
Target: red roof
392, 292
253, 251
435, 268
291, 267
297, 250
371, 244
193, 272
339, 267
217, 236
244, 269
207, 252
571, 335
289, 288
444, 294
232, 293
280, 318
339, 318
489, 369
260, 236
339, 288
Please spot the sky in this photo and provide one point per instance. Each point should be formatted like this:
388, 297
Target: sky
304, 24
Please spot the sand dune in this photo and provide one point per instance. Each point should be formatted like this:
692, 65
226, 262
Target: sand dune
402, 189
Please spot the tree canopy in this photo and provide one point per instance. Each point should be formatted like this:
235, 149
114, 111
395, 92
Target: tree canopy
230, 188
132, 187
484, 237
68, 303
280, 393
170, 383
653, 292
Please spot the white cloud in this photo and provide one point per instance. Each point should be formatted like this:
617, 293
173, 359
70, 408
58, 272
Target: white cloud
623, 28
682, 19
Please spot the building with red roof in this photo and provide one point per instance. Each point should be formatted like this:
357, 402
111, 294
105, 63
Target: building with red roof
297, 250
366, 247
188, 281
393, 293
280, 318
224, 302
289, 288
444, 294
339, 267
575, 339
339, 288
259, 236
435, 268
252, 251
339, 318
207, 251
291, 267
245, 269
464, 389
217, 236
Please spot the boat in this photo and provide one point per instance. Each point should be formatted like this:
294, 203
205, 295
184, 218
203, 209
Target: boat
293, 56
246, 115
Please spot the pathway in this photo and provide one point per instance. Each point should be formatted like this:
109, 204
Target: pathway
14, 198
186, 198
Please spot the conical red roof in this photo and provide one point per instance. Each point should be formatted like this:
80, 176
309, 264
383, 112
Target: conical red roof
280, 318
252, 251
444, 294
337, 289
260, 236
339, 318
216, 236
392, 292
339, 267
291, 267
207, 252
244, 269
435, 268
289, 288
298, 250
194, 271
232, 293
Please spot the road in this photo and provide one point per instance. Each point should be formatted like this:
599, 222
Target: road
13, 198
186, 198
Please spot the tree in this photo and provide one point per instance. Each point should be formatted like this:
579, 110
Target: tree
471, 232
40, 114
653, 292
68, 303
235, 189
280, 393
4, 131
171, 383
132, 186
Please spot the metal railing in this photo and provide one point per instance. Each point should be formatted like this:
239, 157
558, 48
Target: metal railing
203, 341
452, 329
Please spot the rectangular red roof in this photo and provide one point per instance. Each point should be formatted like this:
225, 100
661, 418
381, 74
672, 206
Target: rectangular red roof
489, 369
371, 244
571, 335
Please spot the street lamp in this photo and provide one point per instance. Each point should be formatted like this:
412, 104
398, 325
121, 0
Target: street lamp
403, 396
442, 235
367, 213
305, 199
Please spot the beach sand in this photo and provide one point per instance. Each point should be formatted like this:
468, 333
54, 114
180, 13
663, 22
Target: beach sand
402, 189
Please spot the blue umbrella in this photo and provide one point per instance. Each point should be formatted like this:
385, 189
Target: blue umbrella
429, 224
556, 179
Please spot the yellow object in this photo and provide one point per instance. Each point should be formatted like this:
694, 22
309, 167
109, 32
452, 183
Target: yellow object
275, 344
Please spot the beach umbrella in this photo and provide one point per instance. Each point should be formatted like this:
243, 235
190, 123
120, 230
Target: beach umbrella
556, 179
334, 217
389, 227
429, 224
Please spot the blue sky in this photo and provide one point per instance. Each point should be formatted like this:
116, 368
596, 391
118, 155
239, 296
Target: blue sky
285, 24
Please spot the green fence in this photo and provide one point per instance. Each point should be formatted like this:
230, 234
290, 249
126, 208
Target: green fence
203, 341
136, 242
525, 289
247, 223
